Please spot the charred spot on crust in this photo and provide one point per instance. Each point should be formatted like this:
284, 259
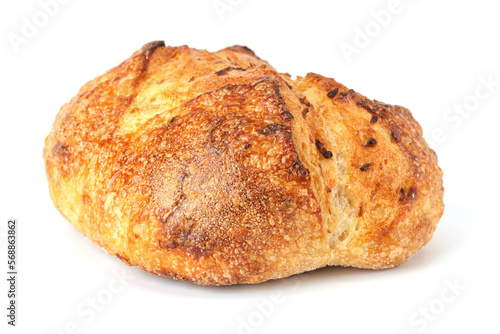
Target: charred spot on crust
322, 149
229, 68
307, 105
376, 108
331, 94
272, 128
412, 193
401, 195
395, 135
150, 47
298, 169
179, 235
288, 85
365, 167
304, 101
145, 54
182, 177
171, 122
365, 104
347, 95
369, 106
60, 150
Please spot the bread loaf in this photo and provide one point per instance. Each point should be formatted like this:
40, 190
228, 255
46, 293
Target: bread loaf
212, 167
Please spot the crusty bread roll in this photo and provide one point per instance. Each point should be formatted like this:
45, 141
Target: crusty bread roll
216, 169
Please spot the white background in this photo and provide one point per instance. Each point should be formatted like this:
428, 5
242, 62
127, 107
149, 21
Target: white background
429, 56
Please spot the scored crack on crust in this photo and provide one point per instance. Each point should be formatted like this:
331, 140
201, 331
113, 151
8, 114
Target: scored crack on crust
216, 169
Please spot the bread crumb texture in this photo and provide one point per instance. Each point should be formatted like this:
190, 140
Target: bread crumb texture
212, 167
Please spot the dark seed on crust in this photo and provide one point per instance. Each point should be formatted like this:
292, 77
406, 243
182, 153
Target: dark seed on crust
371, 142
324, 152
411, 195
374, 119
286, 113
365, 167
272, 128
331, 94
60, 150
304, 101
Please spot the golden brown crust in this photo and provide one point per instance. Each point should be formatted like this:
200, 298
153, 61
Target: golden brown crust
214, 168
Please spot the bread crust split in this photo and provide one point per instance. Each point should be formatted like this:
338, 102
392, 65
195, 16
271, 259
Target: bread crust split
212, 167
